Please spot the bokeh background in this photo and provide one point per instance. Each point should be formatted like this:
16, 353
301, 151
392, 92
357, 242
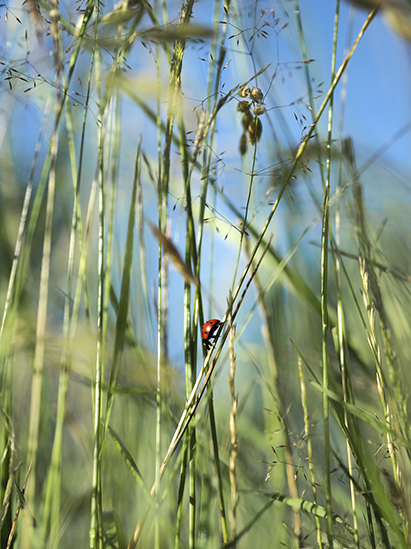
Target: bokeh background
370, 195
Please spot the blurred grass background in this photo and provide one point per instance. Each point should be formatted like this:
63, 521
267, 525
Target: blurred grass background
145, 189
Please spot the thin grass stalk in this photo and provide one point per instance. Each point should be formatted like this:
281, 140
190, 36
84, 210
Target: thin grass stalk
324, 321
180, 495
161, 358
142, 249
233, 434
190, 356
53, 490
96, 511
344, 363
161, 323
113, 153
214, 79
346, 381
162, 220
191, 373
168, 54
190, 352
97, 386
38, 361
309, 447
217, 464
191, 436
324, 293
160, 126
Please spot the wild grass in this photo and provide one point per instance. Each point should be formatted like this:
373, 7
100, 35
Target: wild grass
168, 186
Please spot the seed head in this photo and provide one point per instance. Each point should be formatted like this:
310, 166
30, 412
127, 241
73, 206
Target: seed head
244, 91
246, 120
257, 95
259, 110
243, 144
243, 106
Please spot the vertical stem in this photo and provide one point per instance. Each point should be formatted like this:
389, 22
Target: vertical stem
233, 437
324, 296
95, 522
309, 447
324, 320
36, 388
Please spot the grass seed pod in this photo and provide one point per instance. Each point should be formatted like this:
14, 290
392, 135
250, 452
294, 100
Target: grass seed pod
244, 91
256, 95
246, 120
255, 129
259, 110
243, 144
243, 106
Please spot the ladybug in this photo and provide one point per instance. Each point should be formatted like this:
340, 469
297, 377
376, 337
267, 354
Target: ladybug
208, 332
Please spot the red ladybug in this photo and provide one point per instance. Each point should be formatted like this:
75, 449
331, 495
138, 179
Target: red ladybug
208, 332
